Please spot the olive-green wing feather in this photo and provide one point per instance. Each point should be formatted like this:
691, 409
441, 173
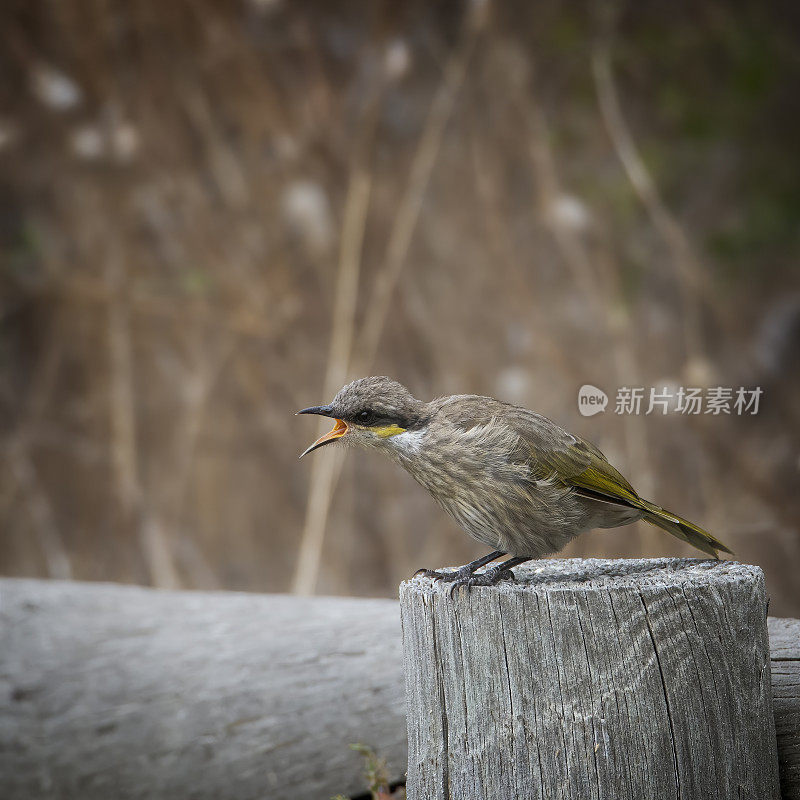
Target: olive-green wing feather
554, 453
550, 452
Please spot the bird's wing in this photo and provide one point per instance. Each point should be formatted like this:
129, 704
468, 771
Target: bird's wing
553, 453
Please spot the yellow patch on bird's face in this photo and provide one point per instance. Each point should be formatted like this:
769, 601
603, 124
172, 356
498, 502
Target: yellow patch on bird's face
385, 431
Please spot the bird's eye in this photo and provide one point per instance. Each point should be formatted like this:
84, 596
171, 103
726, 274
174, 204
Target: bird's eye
364, 416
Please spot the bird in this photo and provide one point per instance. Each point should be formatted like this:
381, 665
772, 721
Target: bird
511, 478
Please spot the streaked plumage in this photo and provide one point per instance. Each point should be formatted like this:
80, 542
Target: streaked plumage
510, 477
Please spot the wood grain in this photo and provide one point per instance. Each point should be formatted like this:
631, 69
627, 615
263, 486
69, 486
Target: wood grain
592, 679
784, 639
140, 693
120, 692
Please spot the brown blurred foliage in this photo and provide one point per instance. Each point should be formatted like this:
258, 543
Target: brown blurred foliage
214, 213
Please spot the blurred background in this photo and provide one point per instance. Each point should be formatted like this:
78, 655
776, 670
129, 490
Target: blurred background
215, 213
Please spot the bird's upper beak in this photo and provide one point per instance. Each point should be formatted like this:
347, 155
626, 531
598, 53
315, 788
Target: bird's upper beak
339, 429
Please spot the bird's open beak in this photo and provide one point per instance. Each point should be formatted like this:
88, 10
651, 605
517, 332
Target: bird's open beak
339, 429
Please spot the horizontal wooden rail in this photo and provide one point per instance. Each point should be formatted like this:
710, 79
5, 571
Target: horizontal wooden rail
784, 646
120, 691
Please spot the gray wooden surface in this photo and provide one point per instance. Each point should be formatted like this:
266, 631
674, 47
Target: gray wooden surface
117, 692
592, 679
784, 639
109, 690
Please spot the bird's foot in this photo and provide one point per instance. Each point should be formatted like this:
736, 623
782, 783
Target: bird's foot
459, 574
489, 578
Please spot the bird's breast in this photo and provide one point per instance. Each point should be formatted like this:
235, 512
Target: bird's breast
471, 474
479, 479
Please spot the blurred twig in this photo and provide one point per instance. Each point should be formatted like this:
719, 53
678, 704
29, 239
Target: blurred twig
410, 205
325, 475
324, 471
24, 471
152, 537
40, 511
688, 271
196, 389
686, 264
600, 292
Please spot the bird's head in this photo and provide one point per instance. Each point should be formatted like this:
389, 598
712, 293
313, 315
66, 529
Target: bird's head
369, 412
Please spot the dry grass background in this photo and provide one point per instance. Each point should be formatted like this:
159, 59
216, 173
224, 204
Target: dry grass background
215, 213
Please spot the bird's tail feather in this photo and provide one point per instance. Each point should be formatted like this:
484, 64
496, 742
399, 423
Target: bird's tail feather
682, 529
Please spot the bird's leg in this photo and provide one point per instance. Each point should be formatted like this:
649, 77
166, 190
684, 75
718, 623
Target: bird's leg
462, 572
492, 576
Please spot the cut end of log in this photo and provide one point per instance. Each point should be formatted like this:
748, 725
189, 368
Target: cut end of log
587, 678
598, 573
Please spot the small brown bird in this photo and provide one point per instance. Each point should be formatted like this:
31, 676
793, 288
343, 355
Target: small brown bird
511, 478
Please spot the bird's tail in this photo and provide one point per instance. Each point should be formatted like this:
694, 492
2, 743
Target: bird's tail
682, 529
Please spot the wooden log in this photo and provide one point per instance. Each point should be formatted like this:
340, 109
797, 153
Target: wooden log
45, 666
784, 641
591, 679
121, 692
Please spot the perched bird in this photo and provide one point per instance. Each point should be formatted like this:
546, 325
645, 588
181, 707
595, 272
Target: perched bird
513, 479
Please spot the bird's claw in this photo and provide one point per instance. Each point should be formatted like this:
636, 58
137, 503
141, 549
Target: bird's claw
488, 578
420, 571
447, 577
432, 573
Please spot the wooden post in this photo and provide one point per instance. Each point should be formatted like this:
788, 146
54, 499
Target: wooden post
591, 679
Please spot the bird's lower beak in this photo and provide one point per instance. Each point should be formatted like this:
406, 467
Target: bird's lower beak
339, 430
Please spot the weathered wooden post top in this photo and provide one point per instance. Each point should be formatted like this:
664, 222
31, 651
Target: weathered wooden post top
631, 680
